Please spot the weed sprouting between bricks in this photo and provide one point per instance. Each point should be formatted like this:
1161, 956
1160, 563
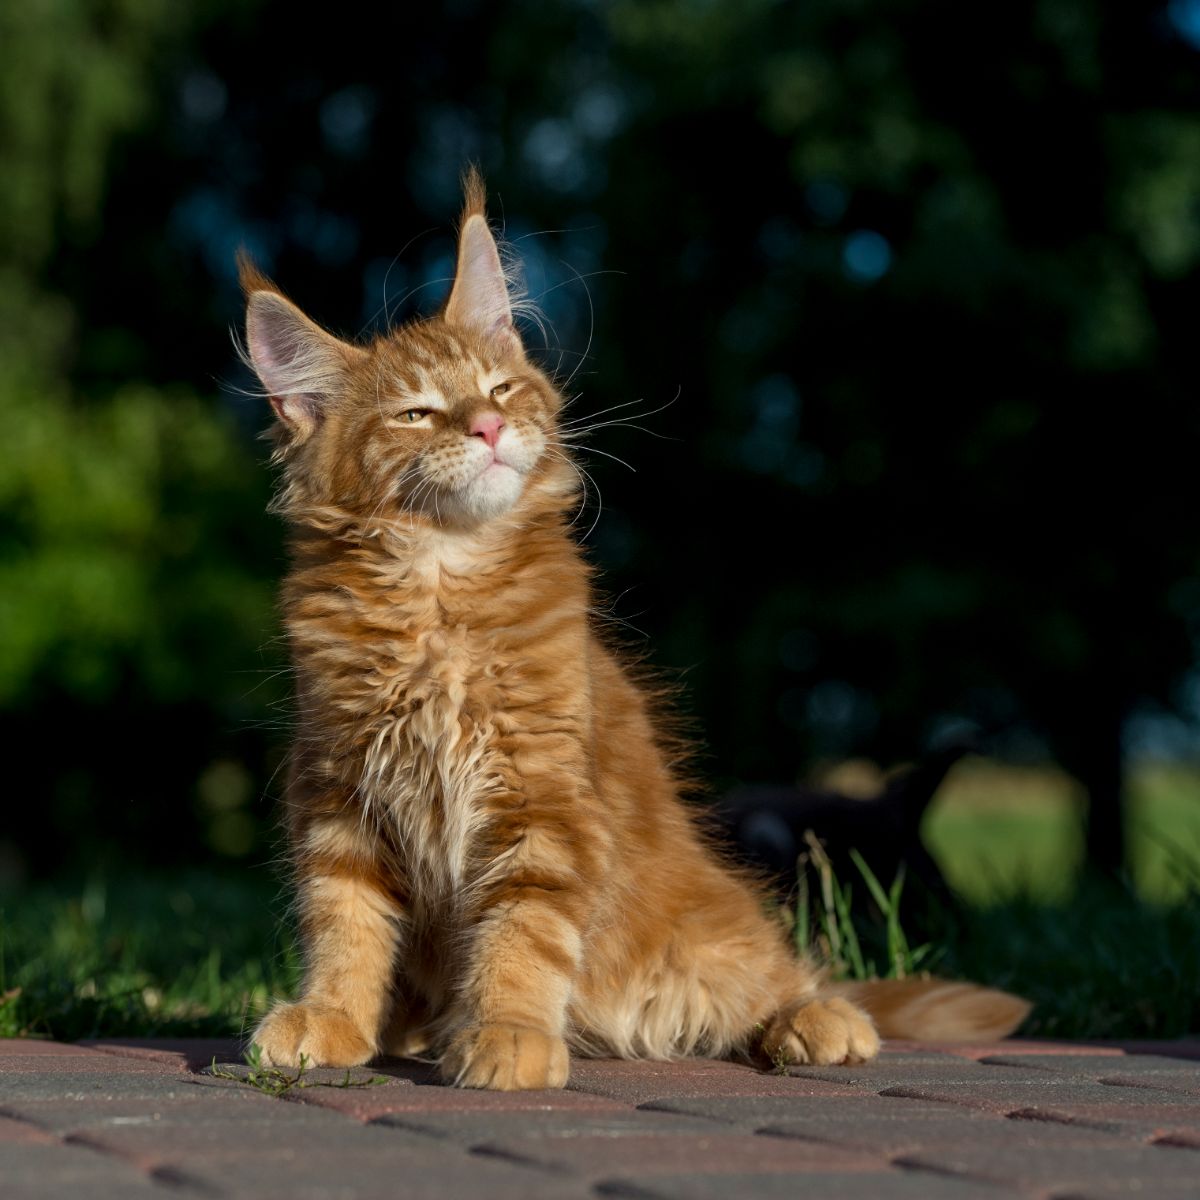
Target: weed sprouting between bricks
274, 1081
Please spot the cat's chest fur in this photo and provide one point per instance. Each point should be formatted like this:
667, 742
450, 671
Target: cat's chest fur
413, 680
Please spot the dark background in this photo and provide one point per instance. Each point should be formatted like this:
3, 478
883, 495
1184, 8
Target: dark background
908, 290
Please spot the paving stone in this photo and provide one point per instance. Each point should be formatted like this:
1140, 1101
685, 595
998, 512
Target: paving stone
184, 1144
1183, 1139
899, 1070
1185, 1083
1090, 1066
1060, 1166
14, 1132
719, 1153
637, 1081
1011, 1046
386, 1173
258, 1117
24, 1047
1181, 1048
50, 1172
891, 1046
62, 1116
366, 1104
1113, 1189
754, 1112
80, 1063
1097, 1066
932, 1126
997, 1096
96, 1086
1144, 1122
640, 1082
679, 1066
844, 1111
1158, 1064
180, 1054
817, 1185
474, 1128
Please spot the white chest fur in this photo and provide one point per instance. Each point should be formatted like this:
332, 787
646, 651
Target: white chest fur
429, 762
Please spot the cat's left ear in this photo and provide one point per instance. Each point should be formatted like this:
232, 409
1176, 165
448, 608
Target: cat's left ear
479, 299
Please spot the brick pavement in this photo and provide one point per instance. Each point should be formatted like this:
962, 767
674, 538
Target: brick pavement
1039, 1120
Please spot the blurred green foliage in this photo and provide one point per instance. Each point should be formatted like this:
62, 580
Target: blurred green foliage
112, 507
130, 586
924, 277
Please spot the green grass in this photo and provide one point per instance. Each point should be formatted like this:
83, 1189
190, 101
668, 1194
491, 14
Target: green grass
192, 954
1099, 962
1001, 831
825, 927
1103, 963
1164, 829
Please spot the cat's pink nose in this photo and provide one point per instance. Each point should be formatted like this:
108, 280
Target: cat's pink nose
488, 425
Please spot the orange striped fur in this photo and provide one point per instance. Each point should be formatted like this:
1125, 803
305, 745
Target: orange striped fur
492, 859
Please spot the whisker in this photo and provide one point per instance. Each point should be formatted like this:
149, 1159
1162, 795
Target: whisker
578, 276
599, 502
594, 450
387, 316
593, 416
591, 324
574, 427
421, 287
590, 429
566, 458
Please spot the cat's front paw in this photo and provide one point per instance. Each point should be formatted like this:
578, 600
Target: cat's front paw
821, 1032
506, 1058
325, 1036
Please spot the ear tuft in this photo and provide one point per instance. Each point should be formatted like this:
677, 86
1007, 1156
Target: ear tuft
474, 194
250, 277
479, 299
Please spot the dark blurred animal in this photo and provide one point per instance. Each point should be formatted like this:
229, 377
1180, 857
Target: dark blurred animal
767, 824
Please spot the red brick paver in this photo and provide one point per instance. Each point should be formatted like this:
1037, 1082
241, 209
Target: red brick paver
1046, 1121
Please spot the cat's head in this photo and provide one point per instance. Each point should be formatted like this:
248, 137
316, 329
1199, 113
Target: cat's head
442, 422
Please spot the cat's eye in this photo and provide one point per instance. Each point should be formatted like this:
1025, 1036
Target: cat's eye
501, 389
412, 415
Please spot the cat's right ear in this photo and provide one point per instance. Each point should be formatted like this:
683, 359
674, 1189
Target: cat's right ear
479, 299
299, 364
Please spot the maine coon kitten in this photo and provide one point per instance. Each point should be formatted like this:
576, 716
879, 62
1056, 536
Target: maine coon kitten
492, 859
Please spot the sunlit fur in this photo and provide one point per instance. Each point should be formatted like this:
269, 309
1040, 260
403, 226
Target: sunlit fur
492, 859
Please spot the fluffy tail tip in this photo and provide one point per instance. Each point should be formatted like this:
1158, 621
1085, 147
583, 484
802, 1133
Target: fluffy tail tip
937, 1010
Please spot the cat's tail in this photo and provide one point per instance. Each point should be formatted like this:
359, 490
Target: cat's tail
936, 1010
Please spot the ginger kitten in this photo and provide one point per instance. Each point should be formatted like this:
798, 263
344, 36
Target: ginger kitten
492, 859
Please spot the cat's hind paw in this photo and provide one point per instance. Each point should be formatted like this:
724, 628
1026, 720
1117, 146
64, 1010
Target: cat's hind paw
506, 1058
820, 1033
325, 1037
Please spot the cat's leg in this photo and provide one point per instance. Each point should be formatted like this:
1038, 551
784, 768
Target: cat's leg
804, 1023
819, 1030
351, 928
512, 1016
715, 976
512, 1021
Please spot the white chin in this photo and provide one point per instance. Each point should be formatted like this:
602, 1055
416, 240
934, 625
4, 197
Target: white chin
491, 493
